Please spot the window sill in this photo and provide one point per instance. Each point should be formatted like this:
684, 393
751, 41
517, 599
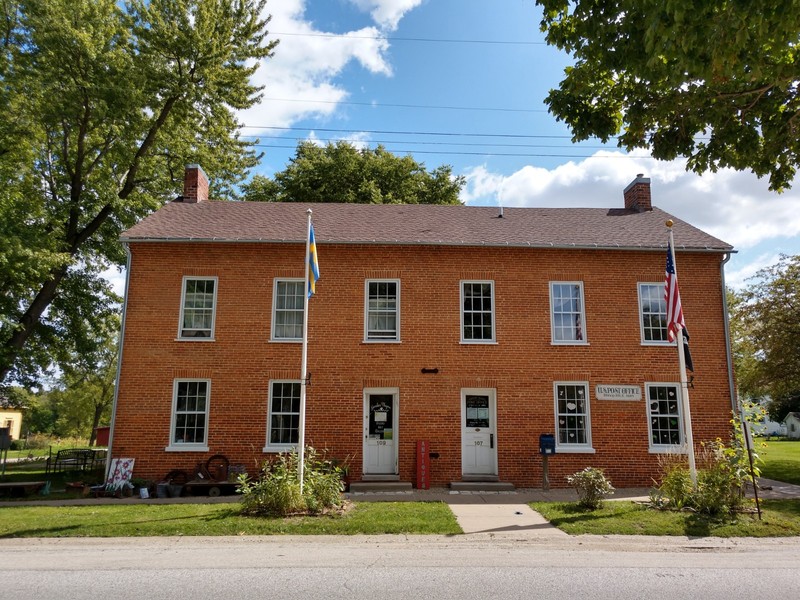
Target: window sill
576, 450
187, 448
554, 343
479, 343
667, 450
286, 341
386, 341
275, 449
195, 339
658, 344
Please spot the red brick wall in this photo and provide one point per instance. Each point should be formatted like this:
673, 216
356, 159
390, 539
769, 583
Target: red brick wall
522, 365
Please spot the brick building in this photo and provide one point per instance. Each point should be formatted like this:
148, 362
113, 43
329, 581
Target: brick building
474, 328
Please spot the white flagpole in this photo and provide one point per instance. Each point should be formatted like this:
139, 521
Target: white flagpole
687, 416
301, 434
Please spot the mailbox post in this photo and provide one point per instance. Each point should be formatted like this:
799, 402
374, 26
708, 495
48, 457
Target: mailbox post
547, 446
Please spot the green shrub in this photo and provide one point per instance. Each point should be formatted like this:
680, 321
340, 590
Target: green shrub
592, 486
722, 475
277, 491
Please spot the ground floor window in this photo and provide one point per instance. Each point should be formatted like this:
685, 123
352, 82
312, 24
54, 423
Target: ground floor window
664, 416
284, 415
572, 416
190, 414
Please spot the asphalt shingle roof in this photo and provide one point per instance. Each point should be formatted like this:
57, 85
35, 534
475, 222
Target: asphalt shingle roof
420, 224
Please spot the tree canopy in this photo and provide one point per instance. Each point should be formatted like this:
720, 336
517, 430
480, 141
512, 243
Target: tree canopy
715, 81
340, 172
104, 103
765, 323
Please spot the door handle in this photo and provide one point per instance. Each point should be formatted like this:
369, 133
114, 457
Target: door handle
491, 440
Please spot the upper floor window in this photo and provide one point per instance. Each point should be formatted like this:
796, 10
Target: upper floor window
653, 313
198, 302
567, 312
283, 421
664, 415
190, 398
572, 416
382, 302
477, 311
287, 309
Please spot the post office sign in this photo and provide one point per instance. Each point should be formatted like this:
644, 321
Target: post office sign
618, 392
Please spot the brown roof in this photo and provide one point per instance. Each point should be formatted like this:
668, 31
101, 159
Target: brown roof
419, 224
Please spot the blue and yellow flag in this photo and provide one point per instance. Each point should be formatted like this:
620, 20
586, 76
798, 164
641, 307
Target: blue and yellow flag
313, 265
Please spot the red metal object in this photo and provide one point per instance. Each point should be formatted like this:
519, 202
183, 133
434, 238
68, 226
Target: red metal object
423, 465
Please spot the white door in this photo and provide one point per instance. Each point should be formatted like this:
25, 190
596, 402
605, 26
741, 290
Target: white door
478, 432
380, 431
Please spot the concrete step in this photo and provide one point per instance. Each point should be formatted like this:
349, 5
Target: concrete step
481, 486
380, 486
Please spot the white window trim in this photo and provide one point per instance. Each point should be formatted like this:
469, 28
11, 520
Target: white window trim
645, 342
272, 337
187, 447
396, 338
461, 311
584, 341
187, 278
586, 448
665, 448
276, 447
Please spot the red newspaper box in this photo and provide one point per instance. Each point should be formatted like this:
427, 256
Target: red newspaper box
423, 465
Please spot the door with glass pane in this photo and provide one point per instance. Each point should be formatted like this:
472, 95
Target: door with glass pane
380, 431
478, 432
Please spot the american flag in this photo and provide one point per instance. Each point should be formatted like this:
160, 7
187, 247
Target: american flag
672, 295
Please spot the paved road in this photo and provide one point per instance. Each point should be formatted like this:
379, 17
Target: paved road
431, 567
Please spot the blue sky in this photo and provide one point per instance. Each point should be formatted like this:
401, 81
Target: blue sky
343, 66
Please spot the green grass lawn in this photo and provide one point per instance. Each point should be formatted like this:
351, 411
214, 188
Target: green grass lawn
780, 518
781, 460
131, 520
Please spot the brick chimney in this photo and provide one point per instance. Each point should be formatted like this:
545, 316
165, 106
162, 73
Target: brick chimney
637, 194
195, 185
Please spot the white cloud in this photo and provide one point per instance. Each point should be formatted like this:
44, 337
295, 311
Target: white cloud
738, 278
302, 75
387, 13
734, 206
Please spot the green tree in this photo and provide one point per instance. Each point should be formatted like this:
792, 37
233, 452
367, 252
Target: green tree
768, 314
103, 106
712, 80
340, 172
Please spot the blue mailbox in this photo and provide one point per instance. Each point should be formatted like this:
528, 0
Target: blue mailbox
547, 443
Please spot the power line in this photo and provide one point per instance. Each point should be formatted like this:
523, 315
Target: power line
427, 143
389, 132
409, 39
383, 104
461, 153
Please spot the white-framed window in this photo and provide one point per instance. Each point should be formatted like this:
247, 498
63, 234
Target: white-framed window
477, 312
382, 310
287, 310
665, 419
653, 313
283, 418
567, 316
198, 307
573, 420
190, 408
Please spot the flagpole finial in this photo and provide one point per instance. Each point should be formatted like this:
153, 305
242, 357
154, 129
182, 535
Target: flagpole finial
669, 223
309, 211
